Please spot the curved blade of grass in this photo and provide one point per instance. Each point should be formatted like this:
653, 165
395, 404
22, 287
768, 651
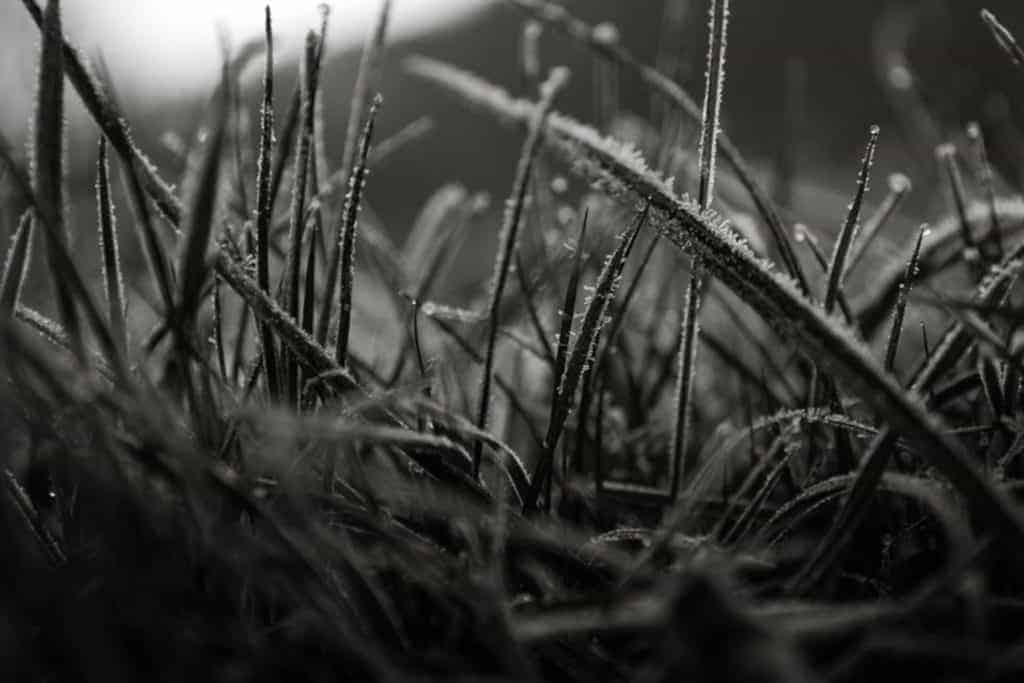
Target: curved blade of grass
588, 36
110, 250
582, 355
837, 267
892, 345
507, 239
347, 237
822, 338
56, 335
110, 121
16, 265
265, 205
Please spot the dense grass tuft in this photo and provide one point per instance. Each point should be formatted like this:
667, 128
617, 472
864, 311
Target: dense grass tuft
372, 475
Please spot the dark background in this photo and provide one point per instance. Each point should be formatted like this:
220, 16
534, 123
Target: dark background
958, 73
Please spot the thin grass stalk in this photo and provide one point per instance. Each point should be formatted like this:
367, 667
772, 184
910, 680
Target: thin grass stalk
367, 81
110, 250
1006, 41
309, 78
16, 266
714, 88
218, 330
588, 36
686, 372
847, 236
265, 204
568, 309
807, 238
582, 354
347, 232
994, 238
555, 82
899, 188
892, 345
946, 155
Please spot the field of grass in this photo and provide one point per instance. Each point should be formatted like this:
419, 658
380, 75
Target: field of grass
664, 441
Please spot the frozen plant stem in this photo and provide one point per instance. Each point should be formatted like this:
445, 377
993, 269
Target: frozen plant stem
507, 241
714, 88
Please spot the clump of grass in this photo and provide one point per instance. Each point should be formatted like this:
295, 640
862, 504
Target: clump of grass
317, 507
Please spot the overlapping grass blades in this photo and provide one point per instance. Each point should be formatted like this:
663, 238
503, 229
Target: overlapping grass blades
507, 239
622, 173
16, 265
558, 17
582, 354
366, 82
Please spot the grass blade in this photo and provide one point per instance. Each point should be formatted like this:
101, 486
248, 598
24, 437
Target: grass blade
901, 302
16, 266
946, 155
47, 167
714, 88
569, 309
1004, 38
265, 205
583, 354
994, 238
291, 277
367, 80
110, 250
837, 267
686, 372
110, 120
347, 237
507, 240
